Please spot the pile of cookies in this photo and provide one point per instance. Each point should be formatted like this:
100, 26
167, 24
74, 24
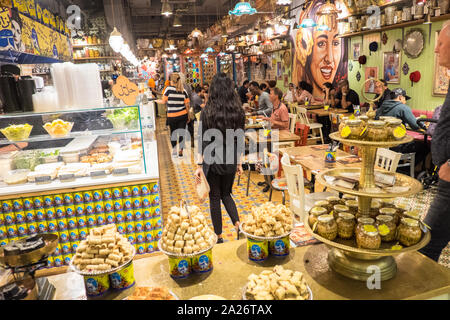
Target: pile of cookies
279, 284
269, 220
103, 250
187, 233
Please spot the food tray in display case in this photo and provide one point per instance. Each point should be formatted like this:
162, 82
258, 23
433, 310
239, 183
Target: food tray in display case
182, 255
105, 146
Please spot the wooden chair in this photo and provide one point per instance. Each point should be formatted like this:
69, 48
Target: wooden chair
292, 125
302, 130
292, 107
316, 128
408, 160
388, 159
300, 203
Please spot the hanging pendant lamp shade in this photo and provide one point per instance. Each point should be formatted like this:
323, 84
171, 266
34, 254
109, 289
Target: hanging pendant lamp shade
196, 33
177, 22
243, 8
116, 40
166, 9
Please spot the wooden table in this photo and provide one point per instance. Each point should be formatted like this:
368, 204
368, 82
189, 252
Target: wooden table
278, 136
322, 113
418, 277
312, 159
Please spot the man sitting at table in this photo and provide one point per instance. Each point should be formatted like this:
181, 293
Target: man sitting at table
346, 98
264, 103
379, 87
280, 116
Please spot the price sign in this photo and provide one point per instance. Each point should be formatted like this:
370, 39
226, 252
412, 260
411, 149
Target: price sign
44, 179
98, 174
126, 91
66, 177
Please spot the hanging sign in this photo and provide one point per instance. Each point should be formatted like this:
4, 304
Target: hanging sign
126, 91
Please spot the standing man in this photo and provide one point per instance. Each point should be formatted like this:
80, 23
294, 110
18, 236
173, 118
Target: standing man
265, 105
438, 217
346, 98
243, 92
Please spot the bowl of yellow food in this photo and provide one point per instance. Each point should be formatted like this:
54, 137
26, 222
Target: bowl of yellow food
58, 128
16, 133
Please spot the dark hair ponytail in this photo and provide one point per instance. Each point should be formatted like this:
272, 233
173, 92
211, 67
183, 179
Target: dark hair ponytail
224, 108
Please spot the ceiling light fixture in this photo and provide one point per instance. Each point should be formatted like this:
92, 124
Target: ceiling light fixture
166, 9
242, 8
115, 39
177, 22
284, 2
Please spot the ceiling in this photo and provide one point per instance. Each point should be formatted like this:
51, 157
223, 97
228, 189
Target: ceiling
147, 21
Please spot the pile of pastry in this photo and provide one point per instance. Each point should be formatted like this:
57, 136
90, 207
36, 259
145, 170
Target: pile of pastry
103, 250
187, 232
269, 220
279, 284
147, 293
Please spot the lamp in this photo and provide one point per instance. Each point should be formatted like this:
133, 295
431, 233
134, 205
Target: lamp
224, 32
284, 2
116, 40
242, 8
196, 33
166, 9
177, 22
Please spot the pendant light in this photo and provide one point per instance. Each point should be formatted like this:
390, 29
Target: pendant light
166, 9
242, 8
115, 39
196, 33
177, 22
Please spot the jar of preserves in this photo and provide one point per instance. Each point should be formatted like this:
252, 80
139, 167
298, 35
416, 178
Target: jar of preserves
327, 227
364, 119
376, 131
352, 130
387, 203
324, 204
314, 214
395, 129
392, 213
337, 209
343, 123
368, 237
334, 201
353, 207
375, 209
409, 232
386, 227
346, 225
364, 221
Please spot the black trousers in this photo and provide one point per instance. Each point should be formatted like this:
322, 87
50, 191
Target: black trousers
178, 123
438, 219
221, 187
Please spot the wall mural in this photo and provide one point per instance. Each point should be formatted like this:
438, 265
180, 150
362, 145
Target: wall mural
319, 56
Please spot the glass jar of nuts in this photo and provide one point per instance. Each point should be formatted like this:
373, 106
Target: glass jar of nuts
324, 204
315, 213
346, 225
327, 227
361, 222
409, 232
376, 131
386, 227
337, 209
342, 124
392, 213
352, 130
335, 201
368, 237
375, 209
353, 206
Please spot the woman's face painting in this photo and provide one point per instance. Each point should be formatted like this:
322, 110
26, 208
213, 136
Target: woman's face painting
326, 56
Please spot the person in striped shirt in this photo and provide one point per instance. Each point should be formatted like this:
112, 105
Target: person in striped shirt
177, 100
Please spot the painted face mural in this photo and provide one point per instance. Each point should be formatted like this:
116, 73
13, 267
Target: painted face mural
320, 56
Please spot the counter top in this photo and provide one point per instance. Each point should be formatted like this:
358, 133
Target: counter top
418, 277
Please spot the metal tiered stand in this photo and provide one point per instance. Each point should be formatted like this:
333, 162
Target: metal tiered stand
344, 256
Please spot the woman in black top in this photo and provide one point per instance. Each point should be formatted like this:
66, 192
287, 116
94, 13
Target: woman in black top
221, 128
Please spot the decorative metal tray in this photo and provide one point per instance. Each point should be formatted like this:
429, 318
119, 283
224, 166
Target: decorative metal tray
401, 181
101, 273
253, 237
51, 242
174, 255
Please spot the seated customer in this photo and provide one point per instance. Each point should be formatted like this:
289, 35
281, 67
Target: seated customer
379, 89
305, 93
290, 94
396, 107
330, 94
346, 98
280, 116
265, 106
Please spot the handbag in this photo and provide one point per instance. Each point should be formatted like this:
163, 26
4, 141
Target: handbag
203, 188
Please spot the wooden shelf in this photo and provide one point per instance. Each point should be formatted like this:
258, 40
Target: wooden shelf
98, 58
395, 26
363, 11
78, 46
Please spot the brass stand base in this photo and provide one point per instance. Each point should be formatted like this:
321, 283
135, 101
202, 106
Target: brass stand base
359, 269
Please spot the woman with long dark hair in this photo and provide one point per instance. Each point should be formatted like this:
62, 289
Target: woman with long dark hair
221, 147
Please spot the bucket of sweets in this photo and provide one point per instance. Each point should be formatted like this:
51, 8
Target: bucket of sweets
187, 240
105, 254
268, 229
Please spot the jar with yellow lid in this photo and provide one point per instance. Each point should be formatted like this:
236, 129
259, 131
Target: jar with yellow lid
353, 207
362, 221
314, 214
409, 232
339, 208
368, 237
392, 213
352, 130
324, 204
386, 227
335, 201
343, 123
396, 130
327, 227
375, 209
346, 225
376, 131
